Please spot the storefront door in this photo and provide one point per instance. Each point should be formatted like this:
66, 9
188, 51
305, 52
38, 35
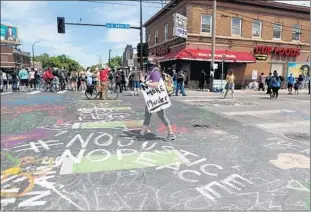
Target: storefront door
279, 67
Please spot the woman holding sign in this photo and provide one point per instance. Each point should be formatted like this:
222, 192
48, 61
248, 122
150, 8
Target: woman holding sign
156, 98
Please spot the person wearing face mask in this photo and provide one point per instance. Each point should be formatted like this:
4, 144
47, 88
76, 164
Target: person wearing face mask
152, 81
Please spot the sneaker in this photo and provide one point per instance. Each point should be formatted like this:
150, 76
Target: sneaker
170, 137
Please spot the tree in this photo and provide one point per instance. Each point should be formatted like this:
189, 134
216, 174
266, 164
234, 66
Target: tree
59, 62
115, 62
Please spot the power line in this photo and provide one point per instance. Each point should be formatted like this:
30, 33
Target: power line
116, 3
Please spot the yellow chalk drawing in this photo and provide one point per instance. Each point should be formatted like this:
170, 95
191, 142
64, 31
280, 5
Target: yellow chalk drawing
13, 170
28, 188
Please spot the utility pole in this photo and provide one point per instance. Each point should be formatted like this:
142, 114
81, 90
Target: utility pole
141, 36
109, 58
213, 45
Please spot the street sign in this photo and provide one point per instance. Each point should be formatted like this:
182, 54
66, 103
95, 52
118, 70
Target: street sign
118, 26
130, 63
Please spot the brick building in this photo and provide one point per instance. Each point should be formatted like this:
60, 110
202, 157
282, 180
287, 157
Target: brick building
12, 58
251, 37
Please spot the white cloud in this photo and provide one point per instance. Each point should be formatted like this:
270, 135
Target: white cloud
304, 3
33, 24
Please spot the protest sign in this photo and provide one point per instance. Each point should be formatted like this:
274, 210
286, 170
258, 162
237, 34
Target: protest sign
156, 98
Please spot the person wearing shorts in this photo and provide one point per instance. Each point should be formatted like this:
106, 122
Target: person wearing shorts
24, 79
290, 83
103, 78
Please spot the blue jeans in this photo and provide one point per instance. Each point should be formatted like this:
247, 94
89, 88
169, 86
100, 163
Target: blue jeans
180, 86
175, 85
136, 84
14, 85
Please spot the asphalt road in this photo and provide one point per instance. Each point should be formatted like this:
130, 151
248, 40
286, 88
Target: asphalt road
60, 151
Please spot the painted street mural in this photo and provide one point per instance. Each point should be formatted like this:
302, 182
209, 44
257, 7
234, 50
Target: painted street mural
88, 155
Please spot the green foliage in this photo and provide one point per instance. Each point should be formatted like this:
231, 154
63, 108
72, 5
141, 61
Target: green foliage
115, 62
58, 61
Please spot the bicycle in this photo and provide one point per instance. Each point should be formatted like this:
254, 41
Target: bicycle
53, 86
92, 93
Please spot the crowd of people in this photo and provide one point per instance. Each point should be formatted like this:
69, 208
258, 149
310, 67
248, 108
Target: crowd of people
274, 83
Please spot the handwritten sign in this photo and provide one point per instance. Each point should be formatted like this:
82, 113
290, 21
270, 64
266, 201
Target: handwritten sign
156, 98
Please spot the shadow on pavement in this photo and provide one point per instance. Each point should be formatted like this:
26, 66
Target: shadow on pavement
135, 134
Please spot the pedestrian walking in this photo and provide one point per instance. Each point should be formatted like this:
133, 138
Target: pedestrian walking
24, 76
32, 78
180, 83
300, 81
15, 80
152, 81
290, 83
296, 87
118, 81
83, 81
275, 85
230, 78
201, 80
268, 83
37, 80
123, 81
4, 81
135, 75
104, 80
174, 76
261, 82
74, 79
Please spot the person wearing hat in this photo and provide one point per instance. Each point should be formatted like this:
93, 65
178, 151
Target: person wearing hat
152, 81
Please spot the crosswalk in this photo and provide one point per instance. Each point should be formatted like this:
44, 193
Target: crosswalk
281, 122
215, 100
32, 92
276, 117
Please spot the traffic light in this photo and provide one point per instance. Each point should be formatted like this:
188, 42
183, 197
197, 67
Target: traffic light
138, 50
145, 52
61, 25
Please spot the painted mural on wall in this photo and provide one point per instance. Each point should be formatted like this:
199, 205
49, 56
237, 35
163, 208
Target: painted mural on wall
298, 68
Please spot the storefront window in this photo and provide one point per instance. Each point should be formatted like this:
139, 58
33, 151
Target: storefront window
236, 26
206, 23
256, 29
156, 37
166, 32
296, 33
277, 30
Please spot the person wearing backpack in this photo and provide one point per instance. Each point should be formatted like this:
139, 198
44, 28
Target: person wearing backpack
275, 85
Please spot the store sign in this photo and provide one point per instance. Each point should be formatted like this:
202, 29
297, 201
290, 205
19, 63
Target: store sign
291, 52
180, 25
261, 56
164, 48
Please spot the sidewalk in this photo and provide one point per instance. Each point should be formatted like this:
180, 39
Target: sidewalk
206, 92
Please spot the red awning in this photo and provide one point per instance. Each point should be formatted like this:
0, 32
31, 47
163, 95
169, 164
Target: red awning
206, 55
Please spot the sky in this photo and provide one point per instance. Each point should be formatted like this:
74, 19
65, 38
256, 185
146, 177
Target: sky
36, 21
